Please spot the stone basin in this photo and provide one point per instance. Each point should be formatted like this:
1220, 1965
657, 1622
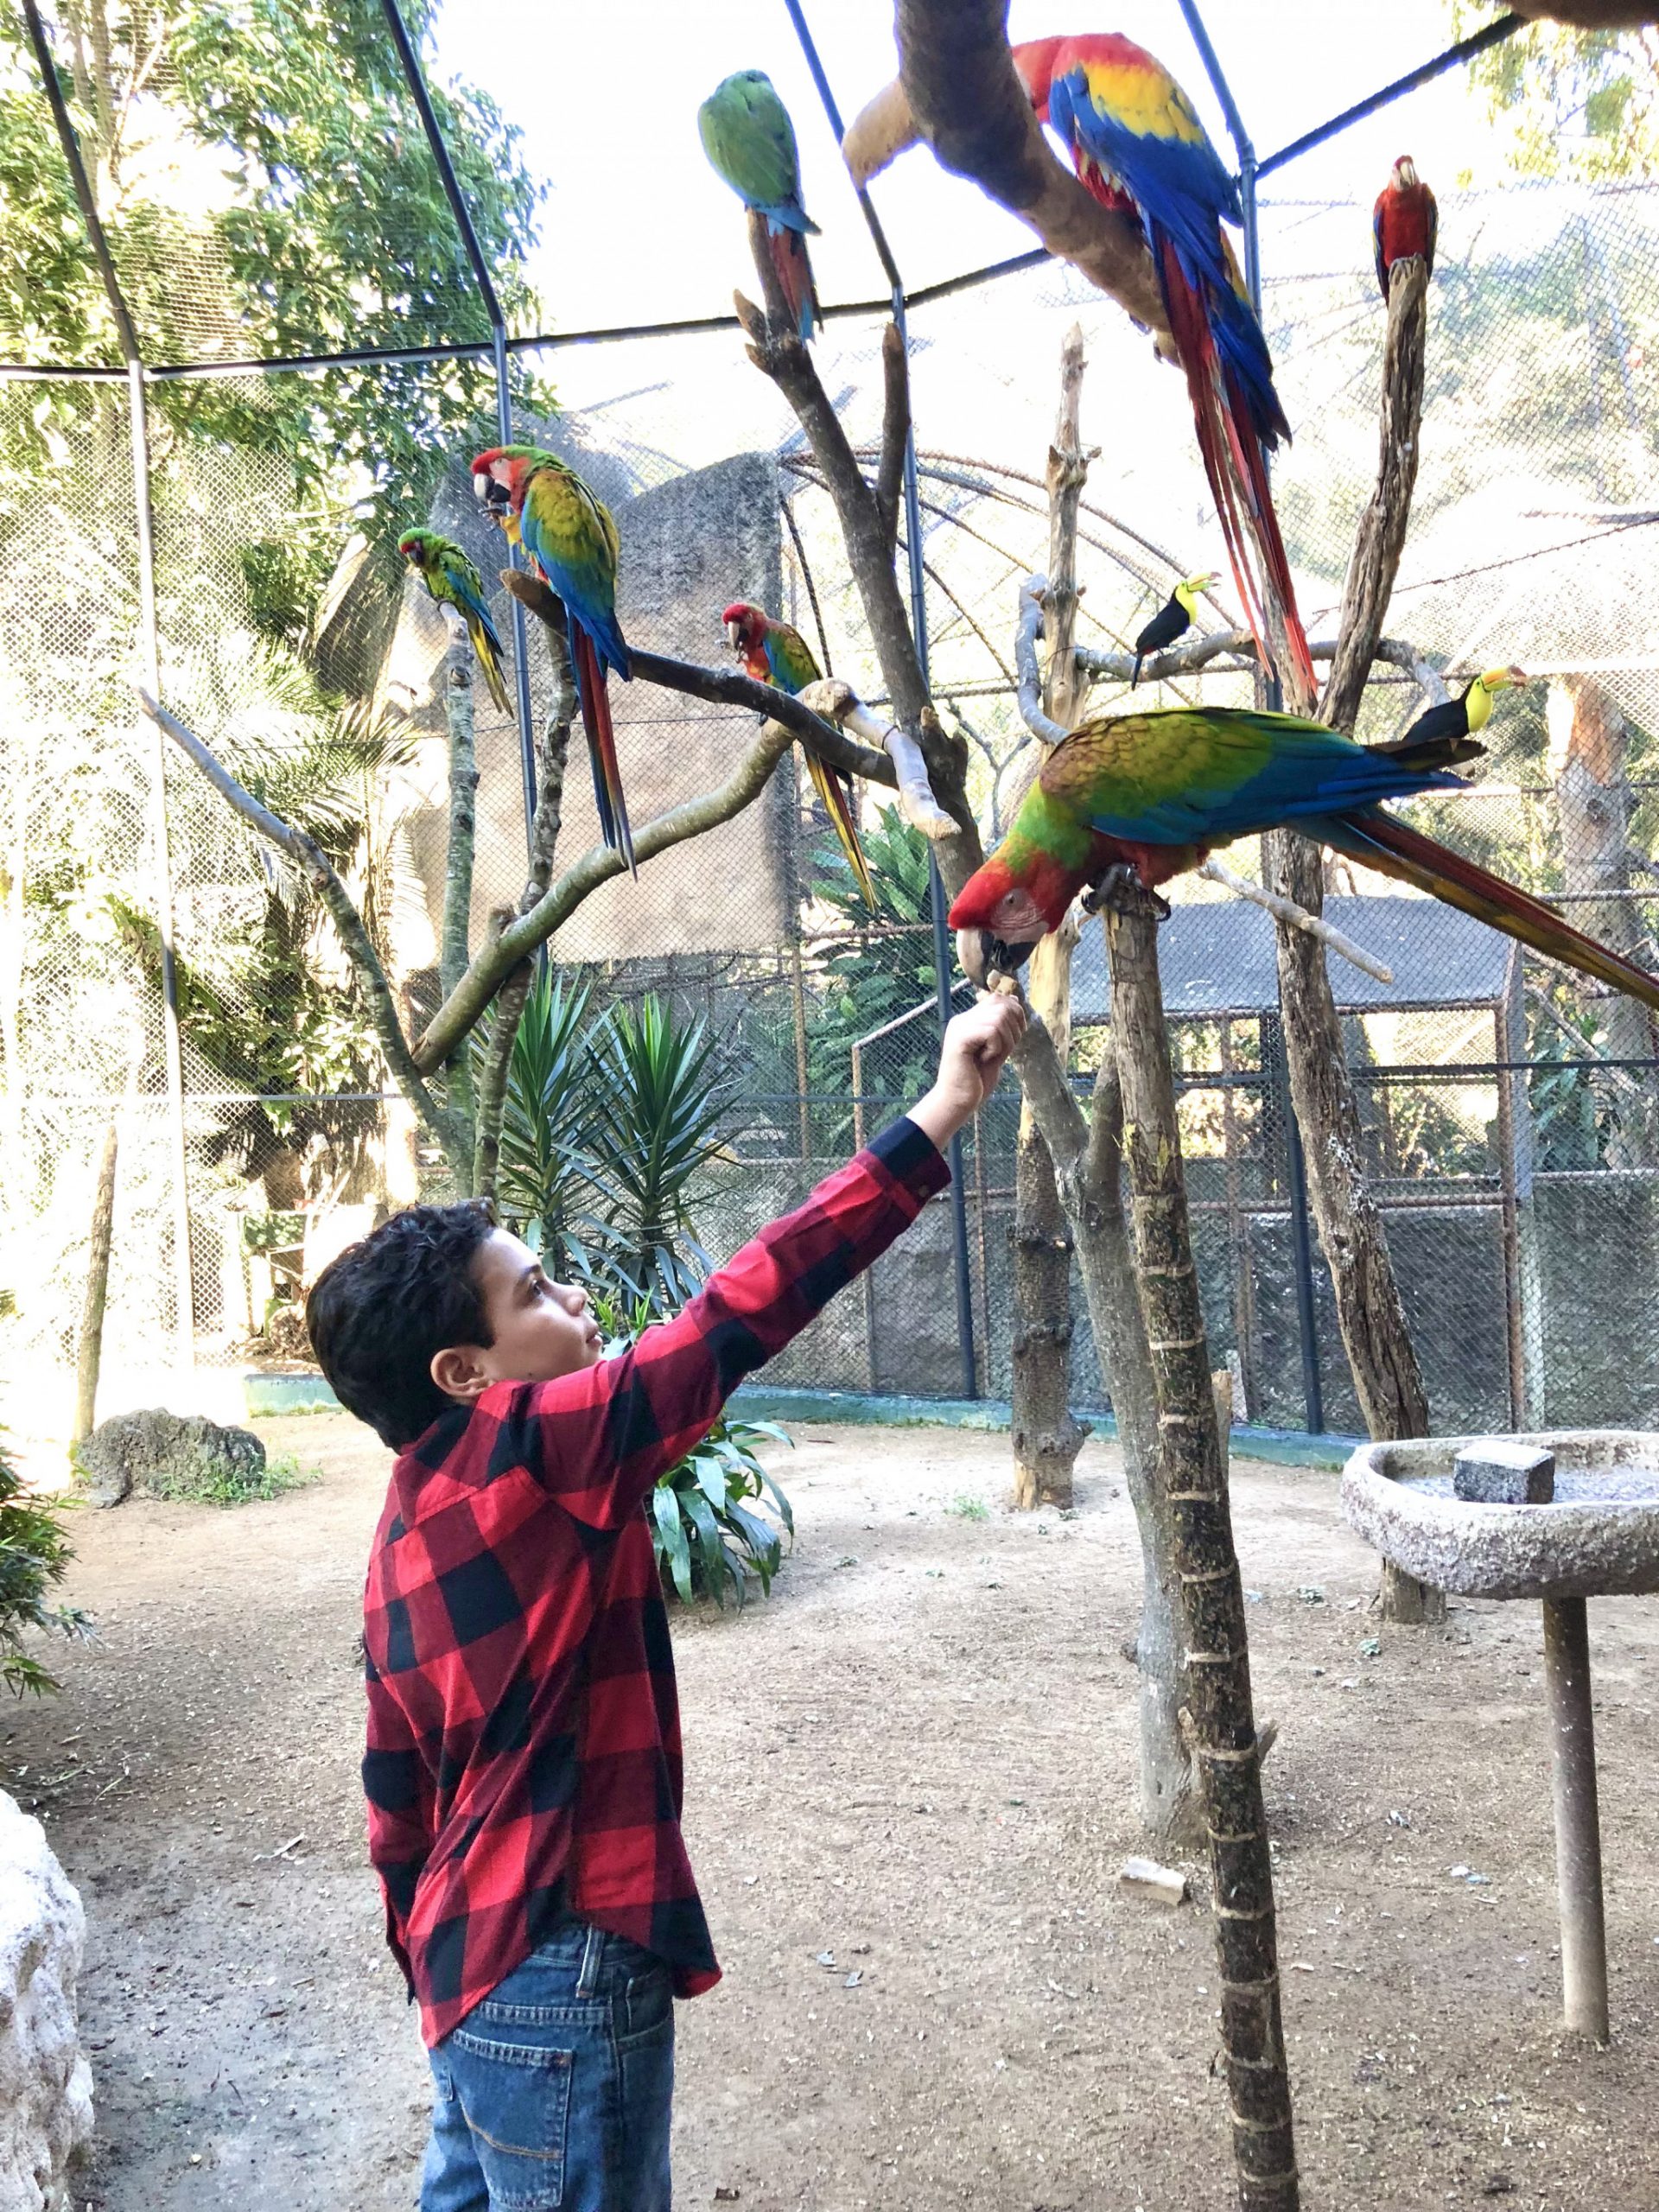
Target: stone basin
1600, 1536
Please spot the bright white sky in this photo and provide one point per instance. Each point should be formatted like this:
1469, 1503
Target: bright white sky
637, 227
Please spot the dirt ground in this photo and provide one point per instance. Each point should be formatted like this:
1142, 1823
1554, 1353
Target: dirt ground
917, 1759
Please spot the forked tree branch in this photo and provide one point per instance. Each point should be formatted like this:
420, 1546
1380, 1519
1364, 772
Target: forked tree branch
965, 99
895, 428
353, 936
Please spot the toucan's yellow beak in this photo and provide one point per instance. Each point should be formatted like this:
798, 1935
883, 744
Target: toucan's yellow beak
1196, 584
1498, 679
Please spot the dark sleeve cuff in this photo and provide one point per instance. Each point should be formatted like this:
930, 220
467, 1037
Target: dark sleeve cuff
911, 1158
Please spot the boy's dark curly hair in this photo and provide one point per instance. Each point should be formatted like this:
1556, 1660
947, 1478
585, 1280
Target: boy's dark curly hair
378, 1313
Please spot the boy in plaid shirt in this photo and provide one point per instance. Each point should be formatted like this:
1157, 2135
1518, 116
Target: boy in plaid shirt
524, 1769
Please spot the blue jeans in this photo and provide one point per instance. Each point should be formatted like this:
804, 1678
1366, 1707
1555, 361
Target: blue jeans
554, 2094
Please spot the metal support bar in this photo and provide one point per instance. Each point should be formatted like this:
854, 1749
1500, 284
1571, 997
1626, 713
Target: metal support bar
962, 1266
485, 282
1495, 33
1578, 1821
149, 651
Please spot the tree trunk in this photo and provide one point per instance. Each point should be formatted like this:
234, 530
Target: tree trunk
1589, 761
1046, 1436
97, 1284
1369, 1311
1191, 1475
453, 948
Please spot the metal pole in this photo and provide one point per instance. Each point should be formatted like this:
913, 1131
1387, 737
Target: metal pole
149, 648
1577, 1824
962, 1265
481, 277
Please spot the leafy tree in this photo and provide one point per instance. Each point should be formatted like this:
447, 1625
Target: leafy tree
306, 216
1573, 103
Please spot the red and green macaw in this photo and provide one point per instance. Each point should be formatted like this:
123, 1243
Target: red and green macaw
571, 538
1158, 792
777, 653
451, 580
750, 142
1137, 144
1405, 221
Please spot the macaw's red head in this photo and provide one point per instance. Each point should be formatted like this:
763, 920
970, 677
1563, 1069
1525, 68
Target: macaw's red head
500, 476
1403, 175
746, 627
996, 898
1034, 59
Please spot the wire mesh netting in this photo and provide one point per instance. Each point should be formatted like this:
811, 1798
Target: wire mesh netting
1510, 1120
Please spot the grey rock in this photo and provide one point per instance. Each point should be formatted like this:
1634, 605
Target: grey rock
1600, 1536
1496, 1473
161, 1454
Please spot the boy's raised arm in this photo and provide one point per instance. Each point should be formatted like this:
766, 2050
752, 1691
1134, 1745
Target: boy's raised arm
600, 1438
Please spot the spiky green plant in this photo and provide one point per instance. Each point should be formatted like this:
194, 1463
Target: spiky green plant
545, 1170
34, 1555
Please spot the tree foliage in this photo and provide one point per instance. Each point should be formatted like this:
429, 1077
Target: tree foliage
1569, 102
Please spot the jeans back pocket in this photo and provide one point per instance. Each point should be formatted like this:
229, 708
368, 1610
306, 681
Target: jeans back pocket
515, 2098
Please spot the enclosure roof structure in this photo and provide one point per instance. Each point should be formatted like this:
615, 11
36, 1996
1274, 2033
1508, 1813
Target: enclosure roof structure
1218, 961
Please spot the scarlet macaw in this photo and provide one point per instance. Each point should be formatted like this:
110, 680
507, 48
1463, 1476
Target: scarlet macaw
571, 538
777, 653
1136, 144
1157, 792
750, 142
1405, 221
451, 580
1177, 614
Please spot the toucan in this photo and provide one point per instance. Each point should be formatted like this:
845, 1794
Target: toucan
1167, 624
1462, 716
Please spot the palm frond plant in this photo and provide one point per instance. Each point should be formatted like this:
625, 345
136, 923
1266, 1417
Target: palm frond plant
708, 1539
659, 1102
547, 1181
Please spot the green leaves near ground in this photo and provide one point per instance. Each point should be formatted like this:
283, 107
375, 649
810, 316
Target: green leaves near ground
34, 1556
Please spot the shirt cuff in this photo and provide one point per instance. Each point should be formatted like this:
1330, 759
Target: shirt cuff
911, 1158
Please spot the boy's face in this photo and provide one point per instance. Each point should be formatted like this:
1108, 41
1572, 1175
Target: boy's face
541, 1329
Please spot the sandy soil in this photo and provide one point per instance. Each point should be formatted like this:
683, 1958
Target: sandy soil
918, 1757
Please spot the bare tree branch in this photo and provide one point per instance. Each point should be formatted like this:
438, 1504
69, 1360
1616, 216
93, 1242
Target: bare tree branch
463, 810
895, 428
967, 101
464, 1006
1381, 540
355, 939
1293, 918
1030, 692
724, 687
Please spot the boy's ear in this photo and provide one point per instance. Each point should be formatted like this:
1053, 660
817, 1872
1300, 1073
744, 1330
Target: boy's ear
458, 1372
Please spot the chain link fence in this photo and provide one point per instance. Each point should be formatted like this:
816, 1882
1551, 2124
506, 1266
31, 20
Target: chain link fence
1511, 1115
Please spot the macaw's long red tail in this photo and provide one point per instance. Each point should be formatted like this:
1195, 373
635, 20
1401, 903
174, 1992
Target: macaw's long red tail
595, 702
789, 258
1383, 842
1234, 465
837, 805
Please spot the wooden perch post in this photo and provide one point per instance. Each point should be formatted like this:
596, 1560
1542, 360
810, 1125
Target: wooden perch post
1047, 1436
1369, 1310
90, 1355
1191, 1475
454, 948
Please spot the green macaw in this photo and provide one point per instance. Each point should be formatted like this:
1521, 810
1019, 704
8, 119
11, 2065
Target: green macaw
451, 579
750, 142
1156, 793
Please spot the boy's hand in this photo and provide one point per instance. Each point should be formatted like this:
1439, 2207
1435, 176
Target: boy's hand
970, 1059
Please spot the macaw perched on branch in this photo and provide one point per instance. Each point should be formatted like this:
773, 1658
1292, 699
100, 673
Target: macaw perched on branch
777, 653
1156, 792
451, 580
571, 538
1405, 221
750, 142
1177, 615
1136, 144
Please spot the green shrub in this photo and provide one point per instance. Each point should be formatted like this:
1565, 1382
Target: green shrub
34, 1554
708, 1539
208, 1481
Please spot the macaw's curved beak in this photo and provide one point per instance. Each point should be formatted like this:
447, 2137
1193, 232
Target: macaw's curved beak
734, 637
483, 484
981, 955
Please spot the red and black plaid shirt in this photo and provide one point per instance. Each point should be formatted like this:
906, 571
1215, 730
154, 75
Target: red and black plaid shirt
523, 1739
